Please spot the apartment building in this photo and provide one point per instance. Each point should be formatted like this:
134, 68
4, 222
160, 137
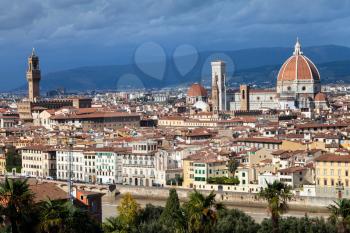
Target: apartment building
198, 167
139, 165
39, 161
109, 165
332, 175
73, 158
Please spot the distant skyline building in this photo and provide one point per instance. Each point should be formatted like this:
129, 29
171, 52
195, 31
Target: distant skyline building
33, 76
298, 87
29, 108
218, 86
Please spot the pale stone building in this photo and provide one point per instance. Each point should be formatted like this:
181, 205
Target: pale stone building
39, 161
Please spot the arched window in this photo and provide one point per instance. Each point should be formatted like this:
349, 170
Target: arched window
243, 94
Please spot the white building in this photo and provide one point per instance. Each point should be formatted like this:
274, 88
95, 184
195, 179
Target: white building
109, 165
139, 166
75, 158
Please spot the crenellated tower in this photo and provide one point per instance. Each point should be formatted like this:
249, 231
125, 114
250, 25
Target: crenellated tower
33, 76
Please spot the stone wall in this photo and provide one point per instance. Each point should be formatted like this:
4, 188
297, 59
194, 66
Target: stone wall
228, 198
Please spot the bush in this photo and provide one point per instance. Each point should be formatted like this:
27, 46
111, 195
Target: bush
223, 180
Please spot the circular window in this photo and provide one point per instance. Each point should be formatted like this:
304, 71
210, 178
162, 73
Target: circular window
258, 98
289, 88
303, 88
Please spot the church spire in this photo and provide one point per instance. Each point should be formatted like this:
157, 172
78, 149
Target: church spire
33, 52
297, 48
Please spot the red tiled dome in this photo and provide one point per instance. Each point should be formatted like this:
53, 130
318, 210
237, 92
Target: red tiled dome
320, 97
196, 90
298, 67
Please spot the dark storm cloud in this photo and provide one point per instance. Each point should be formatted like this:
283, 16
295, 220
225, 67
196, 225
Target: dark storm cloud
17, 14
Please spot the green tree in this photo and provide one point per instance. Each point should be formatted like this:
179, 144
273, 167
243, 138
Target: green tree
277, 196
340, 215
173, 217
299, 225
233, 165
63, 217
13, 160
16, 202
235, 221
52, 217
80, 221
128, 212
201, 212
112, 225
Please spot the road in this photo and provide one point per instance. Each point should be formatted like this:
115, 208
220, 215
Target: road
109, 208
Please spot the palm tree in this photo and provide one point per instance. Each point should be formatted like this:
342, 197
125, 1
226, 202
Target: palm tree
112, 225
277, 195
16, 201
201, 212
53, 214
340, 215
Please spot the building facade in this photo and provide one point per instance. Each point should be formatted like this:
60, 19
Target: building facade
39, 161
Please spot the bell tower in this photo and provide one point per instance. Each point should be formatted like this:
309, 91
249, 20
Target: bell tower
33, 76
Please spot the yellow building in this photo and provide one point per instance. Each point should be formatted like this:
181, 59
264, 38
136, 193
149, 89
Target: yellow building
332, 175
2, 164
2, 161
197, 168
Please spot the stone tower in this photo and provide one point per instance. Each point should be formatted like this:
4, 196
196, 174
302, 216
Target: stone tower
218, 86
33, 76
244, 90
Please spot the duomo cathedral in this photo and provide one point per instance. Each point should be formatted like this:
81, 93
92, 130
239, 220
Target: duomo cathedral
298, 87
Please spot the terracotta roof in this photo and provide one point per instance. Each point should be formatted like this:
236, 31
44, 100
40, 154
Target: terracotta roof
196, 90
262, 140
44, 191
333, 158
320, 97
298, 67
92, 115
292, 169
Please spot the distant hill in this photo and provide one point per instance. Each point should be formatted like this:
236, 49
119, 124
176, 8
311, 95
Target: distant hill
255, 66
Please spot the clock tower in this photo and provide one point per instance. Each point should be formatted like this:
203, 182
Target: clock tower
33, 76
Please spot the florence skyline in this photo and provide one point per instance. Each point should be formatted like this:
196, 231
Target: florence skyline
108, 32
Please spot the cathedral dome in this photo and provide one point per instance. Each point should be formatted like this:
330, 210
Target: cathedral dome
196, 90
298, 67
204, 107
321, 97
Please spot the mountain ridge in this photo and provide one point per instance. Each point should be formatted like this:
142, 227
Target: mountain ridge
254, 65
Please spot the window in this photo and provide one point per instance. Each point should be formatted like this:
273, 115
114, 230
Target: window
303, 88
289, 88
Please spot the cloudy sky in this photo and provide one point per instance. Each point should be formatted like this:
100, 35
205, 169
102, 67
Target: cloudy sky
72, 33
